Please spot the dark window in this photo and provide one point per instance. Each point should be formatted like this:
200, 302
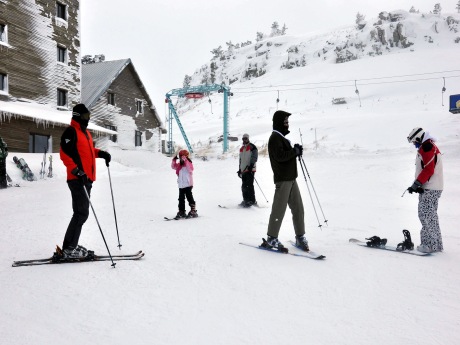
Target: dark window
38, 143
112, 137
61, 11
111, 98
61, 98
139, 107
3, 82
2, 33
61, 54
138, 139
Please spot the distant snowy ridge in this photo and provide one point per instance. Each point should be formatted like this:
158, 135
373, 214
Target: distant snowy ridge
389, 33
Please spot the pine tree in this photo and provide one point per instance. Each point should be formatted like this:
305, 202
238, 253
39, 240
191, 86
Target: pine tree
437, 8
187, 81
284, 29
412, 10
458, 6
259, 36
217, 52
275, 29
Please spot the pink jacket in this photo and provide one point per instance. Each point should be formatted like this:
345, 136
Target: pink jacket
184, 173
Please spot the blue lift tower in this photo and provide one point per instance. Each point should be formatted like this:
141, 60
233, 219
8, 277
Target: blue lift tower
195, 92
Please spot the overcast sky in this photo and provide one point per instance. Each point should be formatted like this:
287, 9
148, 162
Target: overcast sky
171, 38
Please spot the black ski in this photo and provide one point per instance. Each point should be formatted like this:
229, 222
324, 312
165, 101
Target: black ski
309, 255
56, 259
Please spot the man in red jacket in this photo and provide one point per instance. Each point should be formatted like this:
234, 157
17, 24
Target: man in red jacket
79, 156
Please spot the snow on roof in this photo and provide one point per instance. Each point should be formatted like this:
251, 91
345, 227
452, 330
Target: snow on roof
43, 114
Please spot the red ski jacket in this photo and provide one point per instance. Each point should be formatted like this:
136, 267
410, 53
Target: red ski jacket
77, 150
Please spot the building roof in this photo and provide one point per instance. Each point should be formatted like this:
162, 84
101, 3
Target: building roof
42, 114
97, 77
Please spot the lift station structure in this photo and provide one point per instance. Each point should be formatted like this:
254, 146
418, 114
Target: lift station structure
194, 92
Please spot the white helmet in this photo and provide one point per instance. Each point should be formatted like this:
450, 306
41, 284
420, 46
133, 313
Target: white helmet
416, 135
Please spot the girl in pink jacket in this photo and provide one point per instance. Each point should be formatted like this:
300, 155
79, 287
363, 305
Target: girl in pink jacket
184, 172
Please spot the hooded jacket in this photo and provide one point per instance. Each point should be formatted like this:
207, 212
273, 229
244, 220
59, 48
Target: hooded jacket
428, 165
282, 154
77, 150
184, 172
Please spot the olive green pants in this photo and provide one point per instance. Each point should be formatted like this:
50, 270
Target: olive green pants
286, 193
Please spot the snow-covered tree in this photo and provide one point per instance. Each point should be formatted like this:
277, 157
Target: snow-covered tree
217, 52
412, 10
187, 81
360, 23
437, 8
275, 29
87, 59
284, 29
259, 36
458, 6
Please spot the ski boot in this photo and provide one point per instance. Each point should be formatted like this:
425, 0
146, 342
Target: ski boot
302, 243
273, 243
376, 242
180, 214
407, 244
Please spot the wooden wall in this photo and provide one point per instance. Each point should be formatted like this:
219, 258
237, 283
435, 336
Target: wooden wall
15, 132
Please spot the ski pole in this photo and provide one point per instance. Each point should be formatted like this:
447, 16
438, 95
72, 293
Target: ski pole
313, 187
309, 193
260, 189
405, 190
105, 242
114, 212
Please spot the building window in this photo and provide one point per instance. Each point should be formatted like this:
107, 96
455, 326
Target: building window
3, 82
61, 11
62, 54
111, 98
61, 98
3, 33
138, 139
112, 137
139, 107
38, 143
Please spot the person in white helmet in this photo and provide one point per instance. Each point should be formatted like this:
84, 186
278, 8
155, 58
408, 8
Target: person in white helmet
429, 184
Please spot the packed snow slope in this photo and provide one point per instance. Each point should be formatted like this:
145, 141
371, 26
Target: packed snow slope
196, 284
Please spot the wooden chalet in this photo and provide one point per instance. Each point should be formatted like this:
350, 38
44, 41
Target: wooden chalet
117, 99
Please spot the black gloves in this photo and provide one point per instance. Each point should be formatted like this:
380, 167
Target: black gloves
239, 173
298, 150
105, 155
81, 175
416, 187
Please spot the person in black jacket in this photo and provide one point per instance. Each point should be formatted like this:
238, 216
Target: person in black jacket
247, 170
283, 159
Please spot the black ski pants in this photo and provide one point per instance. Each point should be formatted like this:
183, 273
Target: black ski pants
80, 206
247, 187
186, 193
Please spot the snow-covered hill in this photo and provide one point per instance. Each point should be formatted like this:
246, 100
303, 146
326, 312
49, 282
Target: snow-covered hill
196, 284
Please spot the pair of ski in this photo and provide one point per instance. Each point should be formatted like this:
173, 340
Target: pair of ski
309, 254
55, 259
386, 247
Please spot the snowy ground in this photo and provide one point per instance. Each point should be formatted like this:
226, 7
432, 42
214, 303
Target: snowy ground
197, 285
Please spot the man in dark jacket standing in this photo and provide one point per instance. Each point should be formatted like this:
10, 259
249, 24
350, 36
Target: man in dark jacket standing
79, 156
283, 161
247, 169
